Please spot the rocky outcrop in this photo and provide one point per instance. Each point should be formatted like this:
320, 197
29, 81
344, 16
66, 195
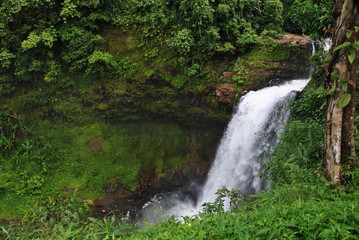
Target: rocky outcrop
224, 92
264, 65
156, 99
302, 41
226, 75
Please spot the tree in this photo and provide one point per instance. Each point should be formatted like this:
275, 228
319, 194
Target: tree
340, 80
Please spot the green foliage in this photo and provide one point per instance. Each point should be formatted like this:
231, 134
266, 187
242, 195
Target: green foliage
311, 105
64, 219
11, 131
344, 100
69, 10
65, 43
235, 197
34, 100
311, 17
296, 211
298, 156
44, 40
6, 85
84, 159
6, 60
106, 65
127, 151
24, 161
53, 43
272, 10
241, 72
227, 47
182, 42
5, 182
199, 29
269, 52
46, 36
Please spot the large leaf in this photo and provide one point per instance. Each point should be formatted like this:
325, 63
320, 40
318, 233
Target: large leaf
356, 46
349, 34
351, 57
331, 90
344, 100
346, 44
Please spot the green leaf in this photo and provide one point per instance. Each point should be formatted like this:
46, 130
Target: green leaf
262, 231
349, 34
351, 57
331, 90
341, 81
344, 100
4, 230
346, 44
356, 29
356, 46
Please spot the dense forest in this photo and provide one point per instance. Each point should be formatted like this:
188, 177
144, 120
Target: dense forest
112, 101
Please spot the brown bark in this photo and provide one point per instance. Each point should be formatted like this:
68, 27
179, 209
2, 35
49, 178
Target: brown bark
339, 132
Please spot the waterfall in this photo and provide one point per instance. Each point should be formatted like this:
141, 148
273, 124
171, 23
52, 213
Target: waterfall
251, 134
255, 127
327, 43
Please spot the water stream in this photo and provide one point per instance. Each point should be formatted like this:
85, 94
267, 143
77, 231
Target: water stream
245, 146
251, 135
255, 127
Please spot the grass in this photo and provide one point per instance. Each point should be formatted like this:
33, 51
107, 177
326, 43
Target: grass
295, 211
275, 53
89, 157
95, 154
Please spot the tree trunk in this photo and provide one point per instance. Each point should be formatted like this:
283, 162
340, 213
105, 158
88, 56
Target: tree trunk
341, 74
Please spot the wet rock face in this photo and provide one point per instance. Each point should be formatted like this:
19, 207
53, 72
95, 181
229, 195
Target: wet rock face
124, 202
224, 92
226, 75
156, 99
289, 38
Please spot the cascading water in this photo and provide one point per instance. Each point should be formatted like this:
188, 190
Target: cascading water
248, 140
252, 133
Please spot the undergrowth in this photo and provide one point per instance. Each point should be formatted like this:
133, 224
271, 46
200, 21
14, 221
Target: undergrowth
63, 219
96, 153
51, 160
296, 211
300, 205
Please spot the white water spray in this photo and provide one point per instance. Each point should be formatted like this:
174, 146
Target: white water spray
327, 43
248, 140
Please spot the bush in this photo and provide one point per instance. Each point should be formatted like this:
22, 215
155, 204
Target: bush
311, 17
296, 211
299, 154
64, 219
